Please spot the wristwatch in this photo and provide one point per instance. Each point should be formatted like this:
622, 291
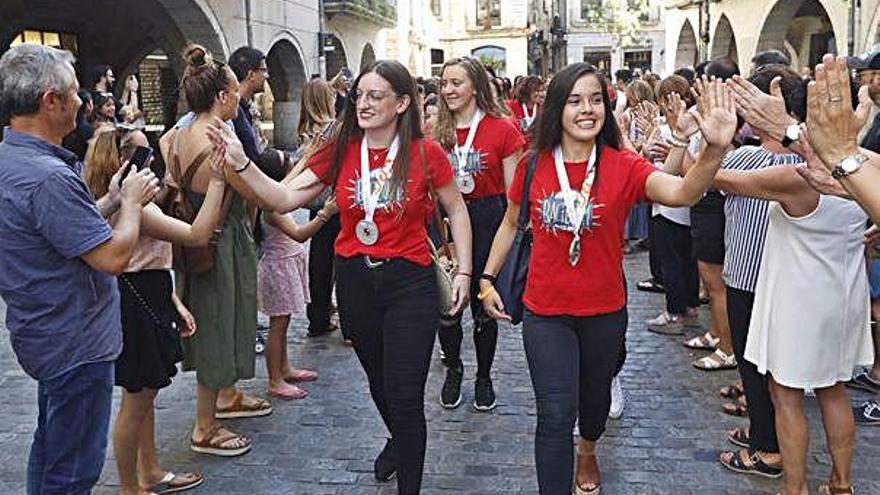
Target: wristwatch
848, 166
792, 133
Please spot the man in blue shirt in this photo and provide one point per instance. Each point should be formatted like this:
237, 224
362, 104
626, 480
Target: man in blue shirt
58, 259
249, 66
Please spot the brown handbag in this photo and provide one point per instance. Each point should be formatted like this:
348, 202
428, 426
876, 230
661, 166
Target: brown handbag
189, 259
441, 258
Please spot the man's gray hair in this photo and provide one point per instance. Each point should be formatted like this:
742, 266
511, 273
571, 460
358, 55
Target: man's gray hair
27, 72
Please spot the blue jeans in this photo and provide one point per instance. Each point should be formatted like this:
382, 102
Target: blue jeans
71, 438
572, 361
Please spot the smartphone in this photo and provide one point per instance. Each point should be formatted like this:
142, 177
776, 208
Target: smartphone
139, 160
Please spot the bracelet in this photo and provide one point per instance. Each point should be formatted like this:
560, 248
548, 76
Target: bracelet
490, 278
242, 169
466, 274
678, 143
485, 293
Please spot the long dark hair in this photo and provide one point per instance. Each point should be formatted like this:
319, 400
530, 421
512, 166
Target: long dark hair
548, 126
409, 125
444, 128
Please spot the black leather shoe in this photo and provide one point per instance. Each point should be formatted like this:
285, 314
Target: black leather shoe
384, 468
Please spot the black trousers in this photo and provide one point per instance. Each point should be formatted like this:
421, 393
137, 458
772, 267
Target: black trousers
680, 274
653, 252
572, 361
486, 215
391, 313
321, 275
762, 415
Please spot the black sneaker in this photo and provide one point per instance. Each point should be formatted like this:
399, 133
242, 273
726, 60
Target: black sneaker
484, 395
868, 414
384, 468
863, 381
450, 395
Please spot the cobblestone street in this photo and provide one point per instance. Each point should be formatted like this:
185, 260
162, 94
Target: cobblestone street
666, 443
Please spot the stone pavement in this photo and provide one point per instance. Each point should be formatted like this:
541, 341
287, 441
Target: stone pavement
666, 443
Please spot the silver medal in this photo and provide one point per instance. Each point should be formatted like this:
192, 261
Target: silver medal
574, 250
367, 232
466, 183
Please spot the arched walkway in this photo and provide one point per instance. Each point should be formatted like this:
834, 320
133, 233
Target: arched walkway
800, 28
686, 52
335, 53
368, 56
287, 76
724, 41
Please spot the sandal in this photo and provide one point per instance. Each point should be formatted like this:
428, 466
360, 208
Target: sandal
588, 487
739, 437
752, 464
827, 489
734, 391
738, 408
705, 342
716, 361
238, 409
172, 483
215, 443
302, 375
287, 392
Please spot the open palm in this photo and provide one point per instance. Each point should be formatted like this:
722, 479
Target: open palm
716, 114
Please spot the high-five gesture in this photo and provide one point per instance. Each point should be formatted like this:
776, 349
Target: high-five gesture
760, 110
716, 112
224, 140
680, 120
832, 124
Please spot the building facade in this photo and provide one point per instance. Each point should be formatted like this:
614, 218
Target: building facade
804, 29
415, 40
611, 44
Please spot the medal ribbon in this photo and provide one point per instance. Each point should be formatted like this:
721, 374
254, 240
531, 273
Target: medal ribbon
462, 152
529, 117
575, 214
370, 196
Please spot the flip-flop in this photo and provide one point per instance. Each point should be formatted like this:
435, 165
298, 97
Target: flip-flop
731, 392
302, 376
735, 409
167, 485
293, 393
739, 437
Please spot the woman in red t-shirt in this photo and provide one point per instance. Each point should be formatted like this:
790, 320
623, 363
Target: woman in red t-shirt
380, 166
528, 98
575, 318
483, 147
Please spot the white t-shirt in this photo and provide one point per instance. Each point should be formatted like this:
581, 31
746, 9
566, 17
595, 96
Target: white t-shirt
680, 215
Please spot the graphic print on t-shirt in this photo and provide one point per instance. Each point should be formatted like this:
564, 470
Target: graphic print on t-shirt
554, 215
473, 163
378, 176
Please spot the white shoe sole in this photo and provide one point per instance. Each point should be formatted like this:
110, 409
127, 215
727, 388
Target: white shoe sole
485, 408
594, 491
243, 414
221, 452
451, 406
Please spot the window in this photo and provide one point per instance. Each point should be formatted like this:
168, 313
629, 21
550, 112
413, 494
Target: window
435, 8
601, 60
638, 60
437, 59
492, 56
488, 13
591, 10
58, 40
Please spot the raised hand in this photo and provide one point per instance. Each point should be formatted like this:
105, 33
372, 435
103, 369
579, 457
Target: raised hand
760, 110
224, 140
832, 124
139, 187
680, 120
716, 112
814, 172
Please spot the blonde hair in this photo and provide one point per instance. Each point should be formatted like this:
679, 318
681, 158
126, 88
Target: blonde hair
102, 161
444, 126
317, 107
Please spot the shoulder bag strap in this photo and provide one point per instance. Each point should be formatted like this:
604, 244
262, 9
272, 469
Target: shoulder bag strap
432, 193
523, 221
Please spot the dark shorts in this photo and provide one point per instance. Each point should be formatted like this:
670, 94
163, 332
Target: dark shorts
707, 228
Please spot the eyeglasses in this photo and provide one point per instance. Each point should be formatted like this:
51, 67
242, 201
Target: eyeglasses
373, 97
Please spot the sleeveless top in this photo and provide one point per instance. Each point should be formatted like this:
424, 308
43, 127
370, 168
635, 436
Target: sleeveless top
276, 244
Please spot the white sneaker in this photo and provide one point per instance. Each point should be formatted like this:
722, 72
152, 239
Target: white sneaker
617, 399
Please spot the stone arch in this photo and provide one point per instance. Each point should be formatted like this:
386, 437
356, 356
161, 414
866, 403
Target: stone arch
686, 52
801, 28
287, 76
368, 55
337, 57
724, 40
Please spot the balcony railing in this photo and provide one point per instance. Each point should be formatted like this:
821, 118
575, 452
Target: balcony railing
380, 12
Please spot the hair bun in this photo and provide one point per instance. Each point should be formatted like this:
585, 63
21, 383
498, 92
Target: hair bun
196, 56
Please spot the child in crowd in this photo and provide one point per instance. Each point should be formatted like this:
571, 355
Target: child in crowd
283, 281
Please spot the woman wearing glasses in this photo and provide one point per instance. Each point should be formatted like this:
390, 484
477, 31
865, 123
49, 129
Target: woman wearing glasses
483, 147
383, 171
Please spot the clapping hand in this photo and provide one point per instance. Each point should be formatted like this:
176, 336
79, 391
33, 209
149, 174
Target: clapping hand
139, 187
716, 112
680, 120
833, 125
760, 110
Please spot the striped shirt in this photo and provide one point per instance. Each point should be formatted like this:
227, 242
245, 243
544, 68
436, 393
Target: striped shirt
746, 219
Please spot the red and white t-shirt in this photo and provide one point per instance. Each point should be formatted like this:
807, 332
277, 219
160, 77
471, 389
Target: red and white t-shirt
595, 284
519, 115
401, 220
496, 139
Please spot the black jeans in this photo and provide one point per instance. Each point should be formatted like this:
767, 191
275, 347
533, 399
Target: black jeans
486, 215
653, 252
680, 275
321, 275
572, 361
762, 415
391, 313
